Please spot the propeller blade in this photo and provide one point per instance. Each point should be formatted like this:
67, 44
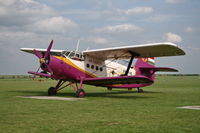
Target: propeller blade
36, 72
37, 54
49, 69
48, 49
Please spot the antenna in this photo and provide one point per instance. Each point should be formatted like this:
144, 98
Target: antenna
77, 46
87, 49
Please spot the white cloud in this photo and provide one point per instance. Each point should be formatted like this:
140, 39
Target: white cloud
32, 16
53, 25
171, 37
139, 10
160, 18
119, 28
188, 29
97, 40
111, 14
22, 12
172, 1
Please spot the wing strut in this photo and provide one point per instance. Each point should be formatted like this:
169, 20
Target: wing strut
130, 62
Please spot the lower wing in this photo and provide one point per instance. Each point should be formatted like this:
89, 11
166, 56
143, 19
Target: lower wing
41, 74
102, 81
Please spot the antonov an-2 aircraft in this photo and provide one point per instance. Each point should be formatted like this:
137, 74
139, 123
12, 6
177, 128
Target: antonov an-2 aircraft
96, 67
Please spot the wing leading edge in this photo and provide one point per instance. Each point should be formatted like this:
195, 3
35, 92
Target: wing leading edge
144, 50
52, 52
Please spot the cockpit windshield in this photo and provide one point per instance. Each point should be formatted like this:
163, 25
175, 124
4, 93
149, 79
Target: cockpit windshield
76, 55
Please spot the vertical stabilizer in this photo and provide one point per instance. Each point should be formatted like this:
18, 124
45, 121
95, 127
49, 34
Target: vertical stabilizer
143, 63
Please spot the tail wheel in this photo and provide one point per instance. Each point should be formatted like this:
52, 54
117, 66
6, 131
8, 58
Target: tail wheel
80, 93
130, 89
139, 90
52, 91
109, 88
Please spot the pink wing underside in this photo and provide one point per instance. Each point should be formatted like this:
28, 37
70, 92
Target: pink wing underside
102, 81
40, 74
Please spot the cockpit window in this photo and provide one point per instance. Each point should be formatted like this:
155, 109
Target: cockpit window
71, 54
76, 55
65, 53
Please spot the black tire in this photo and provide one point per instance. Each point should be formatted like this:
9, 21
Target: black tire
80, 93
51, 91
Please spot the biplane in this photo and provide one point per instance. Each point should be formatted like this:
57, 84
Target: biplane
99, 67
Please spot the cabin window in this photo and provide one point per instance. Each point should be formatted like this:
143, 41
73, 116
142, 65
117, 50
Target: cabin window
92, 66
97, 68
101, 69
88, 65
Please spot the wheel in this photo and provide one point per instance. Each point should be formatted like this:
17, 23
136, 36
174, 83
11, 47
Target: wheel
51, 91
80, 93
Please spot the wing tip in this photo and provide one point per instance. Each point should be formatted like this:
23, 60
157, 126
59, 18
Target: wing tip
179, 50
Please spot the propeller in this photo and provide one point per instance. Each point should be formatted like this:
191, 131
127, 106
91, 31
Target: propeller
44, 59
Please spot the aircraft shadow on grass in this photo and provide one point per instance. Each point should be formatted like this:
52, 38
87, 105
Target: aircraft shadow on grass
109, 94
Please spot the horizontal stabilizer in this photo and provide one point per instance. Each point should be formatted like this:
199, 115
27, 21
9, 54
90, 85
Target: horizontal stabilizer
160, 69
40, 74
102, 81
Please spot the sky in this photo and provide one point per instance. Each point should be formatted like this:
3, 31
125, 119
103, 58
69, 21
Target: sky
97, 24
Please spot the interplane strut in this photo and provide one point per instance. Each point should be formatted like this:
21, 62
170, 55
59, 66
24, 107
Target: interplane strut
130, 62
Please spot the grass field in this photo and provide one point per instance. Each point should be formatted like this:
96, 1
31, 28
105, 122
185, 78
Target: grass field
117, 111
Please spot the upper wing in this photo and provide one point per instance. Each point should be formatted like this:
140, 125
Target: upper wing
144, 50
52, 52
102, 81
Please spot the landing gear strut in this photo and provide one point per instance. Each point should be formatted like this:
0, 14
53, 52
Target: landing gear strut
79, 91
53, 90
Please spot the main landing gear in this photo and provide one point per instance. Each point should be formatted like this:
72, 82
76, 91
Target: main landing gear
79, 92
52, 91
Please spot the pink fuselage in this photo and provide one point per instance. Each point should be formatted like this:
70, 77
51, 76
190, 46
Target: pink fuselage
62, 70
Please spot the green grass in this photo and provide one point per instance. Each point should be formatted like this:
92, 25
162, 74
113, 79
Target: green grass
114, 111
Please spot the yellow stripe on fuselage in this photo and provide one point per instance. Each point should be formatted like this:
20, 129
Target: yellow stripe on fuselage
67, 61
